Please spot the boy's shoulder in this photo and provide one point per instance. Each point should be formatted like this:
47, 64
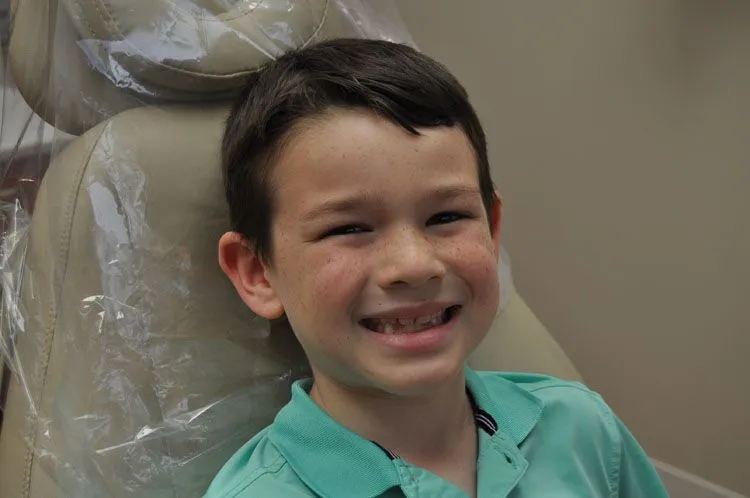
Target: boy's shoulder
547, 389
570, 417
564, 405
257, 469
573, 417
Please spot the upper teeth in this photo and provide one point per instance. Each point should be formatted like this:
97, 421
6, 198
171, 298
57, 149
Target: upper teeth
399, 325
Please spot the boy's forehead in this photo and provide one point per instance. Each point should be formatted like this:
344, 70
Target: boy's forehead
350, 142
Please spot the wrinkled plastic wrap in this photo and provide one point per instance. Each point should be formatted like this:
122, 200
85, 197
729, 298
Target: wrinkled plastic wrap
131, 368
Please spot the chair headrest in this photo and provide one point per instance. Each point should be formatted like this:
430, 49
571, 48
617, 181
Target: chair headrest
91, 59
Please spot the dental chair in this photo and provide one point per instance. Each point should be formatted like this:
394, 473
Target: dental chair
135, 369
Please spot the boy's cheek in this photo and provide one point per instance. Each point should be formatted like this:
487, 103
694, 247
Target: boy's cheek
334, 275
475, 252
477, 264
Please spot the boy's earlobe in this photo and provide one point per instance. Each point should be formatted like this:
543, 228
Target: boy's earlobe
239, 261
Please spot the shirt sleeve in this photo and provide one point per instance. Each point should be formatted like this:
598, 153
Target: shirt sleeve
637, 477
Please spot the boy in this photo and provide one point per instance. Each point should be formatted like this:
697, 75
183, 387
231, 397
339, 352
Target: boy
363, 212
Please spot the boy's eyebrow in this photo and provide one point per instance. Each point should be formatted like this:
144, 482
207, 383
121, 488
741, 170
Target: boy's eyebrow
452, 191
362, 198
341, 205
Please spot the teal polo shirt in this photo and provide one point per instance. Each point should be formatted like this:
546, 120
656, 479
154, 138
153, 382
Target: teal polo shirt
538, 436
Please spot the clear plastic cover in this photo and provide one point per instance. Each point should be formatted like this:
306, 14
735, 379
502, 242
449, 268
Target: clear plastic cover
78, 62
135, 370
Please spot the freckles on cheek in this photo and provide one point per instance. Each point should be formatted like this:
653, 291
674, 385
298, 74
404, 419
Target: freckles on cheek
476, 254
334, 275
478, 263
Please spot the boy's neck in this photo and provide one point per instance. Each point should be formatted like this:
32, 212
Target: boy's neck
428, 430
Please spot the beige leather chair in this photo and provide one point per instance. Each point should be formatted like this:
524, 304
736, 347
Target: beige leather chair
137, 371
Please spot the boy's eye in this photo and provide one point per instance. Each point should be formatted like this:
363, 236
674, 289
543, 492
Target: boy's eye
344, 230
446, 217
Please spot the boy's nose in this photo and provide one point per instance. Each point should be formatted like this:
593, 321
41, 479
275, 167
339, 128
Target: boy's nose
410, 260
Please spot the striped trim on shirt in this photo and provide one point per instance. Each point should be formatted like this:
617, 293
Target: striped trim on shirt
484, 421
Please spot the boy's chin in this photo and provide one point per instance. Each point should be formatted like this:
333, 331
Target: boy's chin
395, 378
419, 379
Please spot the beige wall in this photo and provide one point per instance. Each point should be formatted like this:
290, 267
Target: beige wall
620, 137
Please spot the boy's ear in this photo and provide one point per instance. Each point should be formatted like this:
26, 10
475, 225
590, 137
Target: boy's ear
496, 216
240, 262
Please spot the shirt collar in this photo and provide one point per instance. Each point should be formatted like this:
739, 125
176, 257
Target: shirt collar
515, 410
334, 461
329, 458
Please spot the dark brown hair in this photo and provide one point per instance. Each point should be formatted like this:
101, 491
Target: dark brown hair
395, 81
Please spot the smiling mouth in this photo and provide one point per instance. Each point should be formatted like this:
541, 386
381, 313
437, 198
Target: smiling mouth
410, 325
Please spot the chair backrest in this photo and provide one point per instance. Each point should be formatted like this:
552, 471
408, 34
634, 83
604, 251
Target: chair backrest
136, 369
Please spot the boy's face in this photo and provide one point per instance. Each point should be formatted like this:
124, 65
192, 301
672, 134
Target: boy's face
383, 256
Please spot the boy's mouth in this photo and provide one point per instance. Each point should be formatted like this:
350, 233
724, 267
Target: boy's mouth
410, 325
